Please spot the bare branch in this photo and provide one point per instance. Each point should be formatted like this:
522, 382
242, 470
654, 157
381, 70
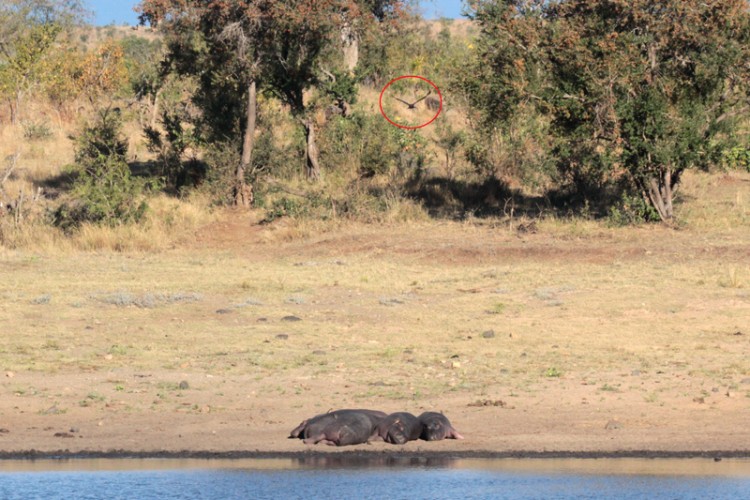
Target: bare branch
13, 161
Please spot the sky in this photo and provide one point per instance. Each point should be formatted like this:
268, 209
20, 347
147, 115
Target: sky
121, 11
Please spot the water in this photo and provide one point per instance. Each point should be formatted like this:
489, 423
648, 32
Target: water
375, 479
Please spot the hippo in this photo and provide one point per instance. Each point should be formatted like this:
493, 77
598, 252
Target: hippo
351, 428
340, 427
436, 427
398, 428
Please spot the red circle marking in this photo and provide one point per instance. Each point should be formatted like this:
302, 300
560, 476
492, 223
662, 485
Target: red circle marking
382, 111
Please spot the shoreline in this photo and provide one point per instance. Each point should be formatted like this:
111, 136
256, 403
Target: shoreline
348, 456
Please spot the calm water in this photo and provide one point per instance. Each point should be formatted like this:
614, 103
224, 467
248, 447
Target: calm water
323, 478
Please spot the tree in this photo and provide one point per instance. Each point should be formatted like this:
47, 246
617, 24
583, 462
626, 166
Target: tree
236, 47
28, 29
636, 91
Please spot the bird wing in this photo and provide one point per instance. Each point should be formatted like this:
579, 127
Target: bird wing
422, 98
401, 100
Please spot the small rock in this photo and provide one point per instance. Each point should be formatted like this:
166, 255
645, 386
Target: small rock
455, 364
295, 300
489, 334
613, 425
108, 357
10, 374
282, 336
635, 373
184, 386
223, 311
4, 431
699, 400
63, 435
319, 353
74, 430
261, 320
291, 318
714, 389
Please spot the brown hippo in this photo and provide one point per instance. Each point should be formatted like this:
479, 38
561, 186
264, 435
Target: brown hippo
398, 428
436, 427
340, 427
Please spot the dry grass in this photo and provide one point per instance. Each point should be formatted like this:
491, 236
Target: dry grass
384, 303
579, 321
38, 166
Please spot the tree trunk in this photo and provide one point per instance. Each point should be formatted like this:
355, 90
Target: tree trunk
313, 165
350, 42
660, 192
243, 193
13, 111
155, 109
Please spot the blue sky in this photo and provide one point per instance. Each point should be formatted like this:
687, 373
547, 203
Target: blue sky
121, 11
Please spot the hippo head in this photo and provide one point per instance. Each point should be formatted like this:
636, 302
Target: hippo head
434, 430
397, 433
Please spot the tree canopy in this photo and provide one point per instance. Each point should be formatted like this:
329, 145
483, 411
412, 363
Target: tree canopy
636, 91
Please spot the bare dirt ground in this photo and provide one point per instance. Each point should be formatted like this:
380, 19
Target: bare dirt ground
573, 338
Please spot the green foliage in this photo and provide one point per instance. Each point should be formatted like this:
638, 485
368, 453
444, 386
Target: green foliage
736, 158
169, 147
36, 131
365, 143
631, 210
22, 67
269, 157
284, 207
342, 89
142, 61
634, 95
104, 191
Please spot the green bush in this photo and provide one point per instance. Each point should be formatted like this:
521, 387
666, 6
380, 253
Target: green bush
631, 210
736, 158
367, 144
169, 148
36, 131
104, 191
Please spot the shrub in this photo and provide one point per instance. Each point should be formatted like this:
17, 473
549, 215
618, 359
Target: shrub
367, 143
104, 191
631, 210
736, 158
36, 131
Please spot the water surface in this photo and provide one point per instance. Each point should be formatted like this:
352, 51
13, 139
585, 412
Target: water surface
375, 478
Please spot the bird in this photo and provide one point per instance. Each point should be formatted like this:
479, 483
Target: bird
413, 105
